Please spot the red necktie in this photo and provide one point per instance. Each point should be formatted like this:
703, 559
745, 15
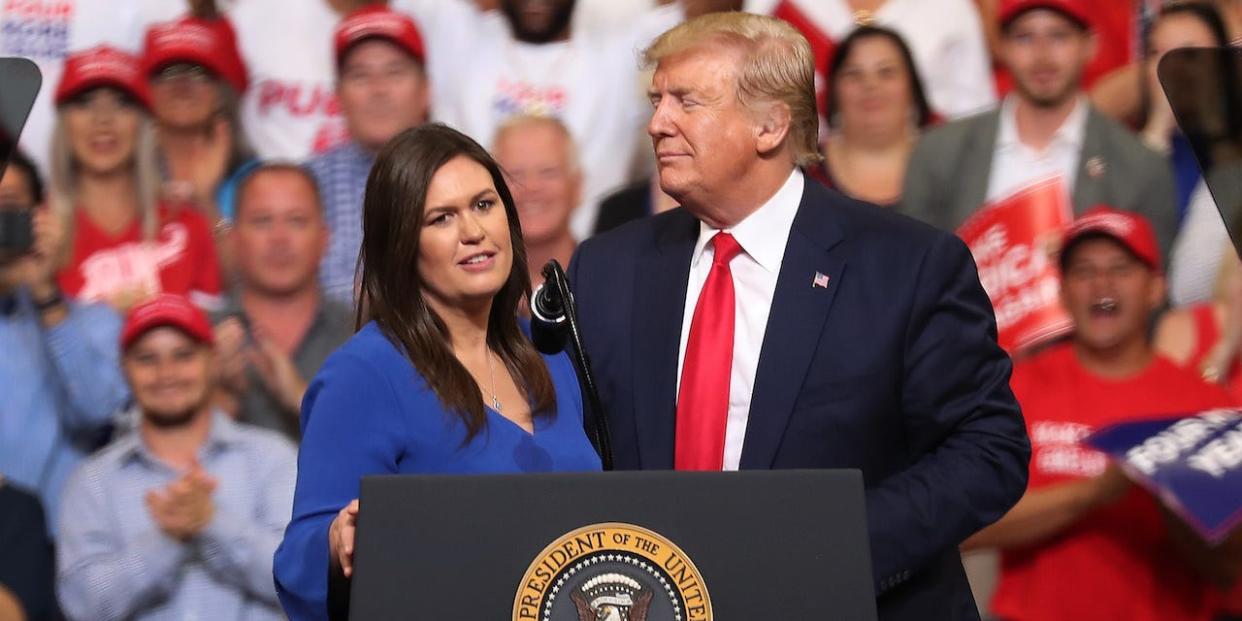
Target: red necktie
703, 404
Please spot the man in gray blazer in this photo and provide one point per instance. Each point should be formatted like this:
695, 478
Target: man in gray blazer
1045, 128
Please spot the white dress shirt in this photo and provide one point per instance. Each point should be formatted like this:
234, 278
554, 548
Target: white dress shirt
1016, 166
762, 235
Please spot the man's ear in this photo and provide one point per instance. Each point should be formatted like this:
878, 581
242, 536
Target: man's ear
772, 127
1157, 291
1093, 46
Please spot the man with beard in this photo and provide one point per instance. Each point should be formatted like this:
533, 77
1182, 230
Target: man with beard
1045, 130
1083, 543
527, 59
180, 517
277, 328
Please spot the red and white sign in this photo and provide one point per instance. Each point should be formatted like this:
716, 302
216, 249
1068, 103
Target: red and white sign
1012, 241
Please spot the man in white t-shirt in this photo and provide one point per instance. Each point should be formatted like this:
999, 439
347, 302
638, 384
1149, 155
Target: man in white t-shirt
45, 31
527, 59
946, 38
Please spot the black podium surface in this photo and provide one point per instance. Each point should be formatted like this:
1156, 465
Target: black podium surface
641, 546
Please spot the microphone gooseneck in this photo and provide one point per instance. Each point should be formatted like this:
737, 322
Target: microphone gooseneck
554, 325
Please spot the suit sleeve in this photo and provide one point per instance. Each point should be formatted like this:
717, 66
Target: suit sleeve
1158, 202
572, 272
29, 574
960, 417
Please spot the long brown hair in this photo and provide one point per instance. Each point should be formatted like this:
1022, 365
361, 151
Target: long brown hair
392, 289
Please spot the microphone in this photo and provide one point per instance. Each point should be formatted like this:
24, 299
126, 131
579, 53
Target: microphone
549, 326
553, 327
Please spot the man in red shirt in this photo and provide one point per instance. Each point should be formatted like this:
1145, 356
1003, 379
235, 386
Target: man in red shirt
1083, 543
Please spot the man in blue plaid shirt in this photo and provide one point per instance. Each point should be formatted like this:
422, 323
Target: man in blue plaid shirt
180, 517
382, 88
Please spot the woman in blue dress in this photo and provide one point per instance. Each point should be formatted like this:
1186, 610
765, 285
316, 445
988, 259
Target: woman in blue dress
440, 377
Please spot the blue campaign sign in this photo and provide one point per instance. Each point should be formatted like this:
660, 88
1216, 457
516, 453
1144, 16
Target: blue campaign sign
1193, 464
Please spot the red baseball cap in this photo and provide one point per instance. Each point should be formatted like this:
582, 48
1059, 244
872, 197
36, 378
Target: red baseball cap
102, 66
379, 21
1129, 229
1073, 9
210, 43
166, 310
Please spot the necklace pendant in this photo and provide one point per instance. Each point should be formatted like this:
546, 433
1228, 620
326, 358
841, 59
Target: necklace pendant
496, 403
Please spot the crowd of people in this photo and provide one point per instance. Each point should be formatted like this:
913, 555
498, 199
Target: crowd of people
197, 172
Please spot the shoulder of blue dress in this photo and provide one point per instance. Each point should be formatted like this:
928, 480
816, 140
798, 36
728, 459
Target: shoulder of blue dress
369, 341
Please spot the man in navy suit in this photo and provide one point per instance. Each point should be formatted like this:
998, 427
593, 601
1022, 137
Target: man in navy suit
771, 323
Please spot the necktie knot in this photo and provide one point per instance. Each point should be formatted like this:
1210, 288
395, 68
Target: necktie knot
725, 248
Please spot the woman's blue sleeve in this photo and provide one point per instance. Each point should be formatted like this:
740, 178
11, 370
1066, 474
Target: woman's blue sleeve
352, 425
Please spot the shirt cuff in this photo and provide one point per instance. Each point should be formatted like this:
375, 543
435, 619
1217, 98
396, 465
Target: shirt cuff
63, 337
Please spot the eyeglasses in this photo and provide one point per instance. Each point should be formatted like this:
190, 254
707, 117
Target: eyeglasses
187, 71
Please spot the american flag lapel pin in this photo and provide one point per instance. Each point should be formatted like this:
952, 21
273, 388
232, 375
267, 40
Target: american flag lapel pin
1096, 167
821, 280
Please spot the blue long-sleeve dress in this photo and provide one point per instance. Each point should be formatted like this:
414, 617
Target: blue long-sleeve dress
369, 412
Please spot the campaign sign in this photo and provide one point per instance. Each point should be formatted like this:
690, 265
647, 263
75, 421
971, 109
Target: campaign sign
1012, 241
1192, 464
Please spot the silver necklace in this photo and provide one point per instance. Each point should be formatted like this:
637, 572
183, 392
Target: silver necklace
495, 400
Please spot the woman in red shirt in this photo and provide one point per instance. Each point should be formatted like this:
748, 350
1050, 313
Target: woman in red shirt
1207, 337
125, 244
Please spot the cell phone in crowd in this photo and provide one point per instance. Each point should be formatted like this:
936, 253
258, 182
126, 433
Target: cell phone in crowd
21, 80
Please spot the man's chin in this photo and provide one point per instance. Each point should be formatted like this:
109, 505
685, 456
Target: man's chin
170, 417
1048, 97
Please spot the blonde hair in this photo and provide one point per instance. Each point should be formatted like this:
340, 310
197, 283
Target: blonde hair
523, 121
777, 66
145, 168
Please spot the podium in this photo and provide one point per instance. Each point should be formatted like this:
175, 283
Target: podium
617, 546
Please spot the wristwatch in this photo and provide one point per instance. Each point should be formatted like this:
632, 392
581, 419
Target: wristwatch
50, 302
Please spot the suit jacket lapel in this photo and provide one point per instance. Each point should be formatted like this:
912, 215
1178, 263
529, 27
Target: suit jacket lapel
980, 152
659, 301
1091, 165
799, 310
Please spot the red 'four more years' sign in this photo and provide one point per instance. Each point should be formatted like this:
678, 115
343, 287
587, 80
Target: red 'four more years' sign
1012, 241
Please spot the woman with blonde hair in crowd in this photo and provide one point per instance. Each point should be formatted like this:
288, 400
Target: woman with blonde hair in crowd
124, 243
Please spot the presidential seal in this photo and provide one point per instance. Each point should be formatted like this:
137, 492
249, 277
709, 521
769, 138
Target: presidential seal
612, 572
